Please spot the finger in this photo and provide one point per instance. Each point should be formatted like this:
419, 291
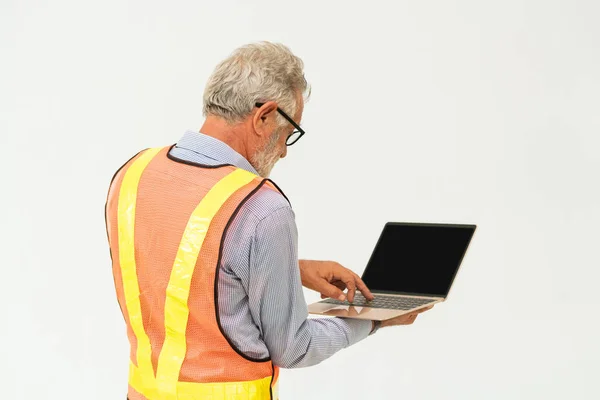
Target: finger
363, 288
351, 288
409, 318
332, 291
339, 284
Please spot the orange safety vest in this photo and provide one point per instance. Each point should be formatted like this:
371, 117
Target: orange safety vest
166, 221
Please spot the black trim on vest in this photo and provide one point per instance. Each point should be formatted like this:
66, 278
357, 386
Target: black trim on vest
280, 191
195, 164
218, 267
272, 377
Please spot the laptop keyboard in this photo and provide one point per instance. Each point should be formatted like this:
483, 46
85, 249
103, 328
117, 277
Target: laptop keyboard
382, 301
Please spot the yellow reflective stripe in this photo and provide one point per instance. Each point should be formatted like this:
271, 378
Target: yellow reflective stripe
249, 390
126, 225
176, 304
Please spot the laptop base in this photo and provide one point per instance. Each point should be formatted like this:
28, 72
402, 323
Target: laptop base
358, 312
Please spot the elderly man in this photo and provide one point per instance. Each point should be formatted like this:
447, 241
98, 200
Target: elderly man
204, 247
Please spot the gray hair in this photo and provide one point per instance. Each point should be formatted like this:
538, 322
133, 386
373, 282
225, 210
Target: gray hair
257, 72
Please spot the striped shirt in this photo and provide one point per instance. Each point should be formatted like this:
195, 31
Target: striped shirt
261, 303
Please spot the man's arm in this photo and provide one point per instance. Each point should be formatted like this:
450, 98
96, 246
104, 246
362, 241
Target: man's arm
277, 301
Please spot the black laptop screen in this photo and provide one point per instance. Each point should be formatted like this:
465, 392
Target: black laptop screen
417, 258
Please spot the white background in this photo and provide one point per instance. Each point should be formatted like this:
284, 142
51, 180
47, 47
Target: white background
422, 111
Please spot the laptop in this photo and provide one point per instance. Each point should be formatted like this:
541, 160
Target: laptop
412, 266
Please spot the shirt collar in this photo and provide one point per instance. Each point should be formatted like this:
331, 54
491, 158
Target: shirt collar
214, 149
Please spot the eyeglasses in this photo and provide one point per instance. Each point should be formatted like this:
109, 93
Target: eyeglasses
294, 136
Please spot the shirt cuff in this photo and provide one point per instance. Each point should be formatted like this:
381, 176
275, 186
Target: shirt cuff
376, 326
358, 329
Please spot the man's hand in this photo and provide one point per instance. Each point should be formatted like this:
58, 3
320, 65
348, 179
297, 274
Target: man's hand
405, 319
330, 279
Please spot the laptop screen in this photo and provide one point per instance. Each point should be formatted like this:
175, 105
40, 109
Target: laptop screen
420, 259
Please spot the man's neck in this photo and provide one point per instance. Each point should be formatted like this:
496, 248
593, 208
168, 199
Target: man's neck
231, 135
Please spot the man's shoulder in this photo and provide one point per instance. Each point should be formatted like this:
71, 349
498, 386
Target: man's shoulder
265, 202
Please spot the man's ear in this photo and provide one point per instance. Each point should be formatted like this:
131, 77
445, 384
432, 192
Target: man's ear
264, 120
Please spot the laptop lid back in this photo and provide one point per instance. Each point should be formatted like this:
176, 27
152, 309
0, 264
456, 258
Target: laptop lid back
417, 258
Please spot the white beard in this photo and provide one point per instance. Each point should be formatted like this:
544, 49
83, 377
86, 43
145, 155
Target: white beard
264, 160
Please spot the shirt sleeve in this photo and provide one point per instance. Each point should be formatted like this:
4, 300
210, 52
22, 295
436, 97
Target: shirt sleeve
277, 301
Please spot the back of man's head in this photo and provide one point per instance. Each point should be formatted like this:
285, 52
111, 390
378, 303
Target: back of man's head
256, 72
